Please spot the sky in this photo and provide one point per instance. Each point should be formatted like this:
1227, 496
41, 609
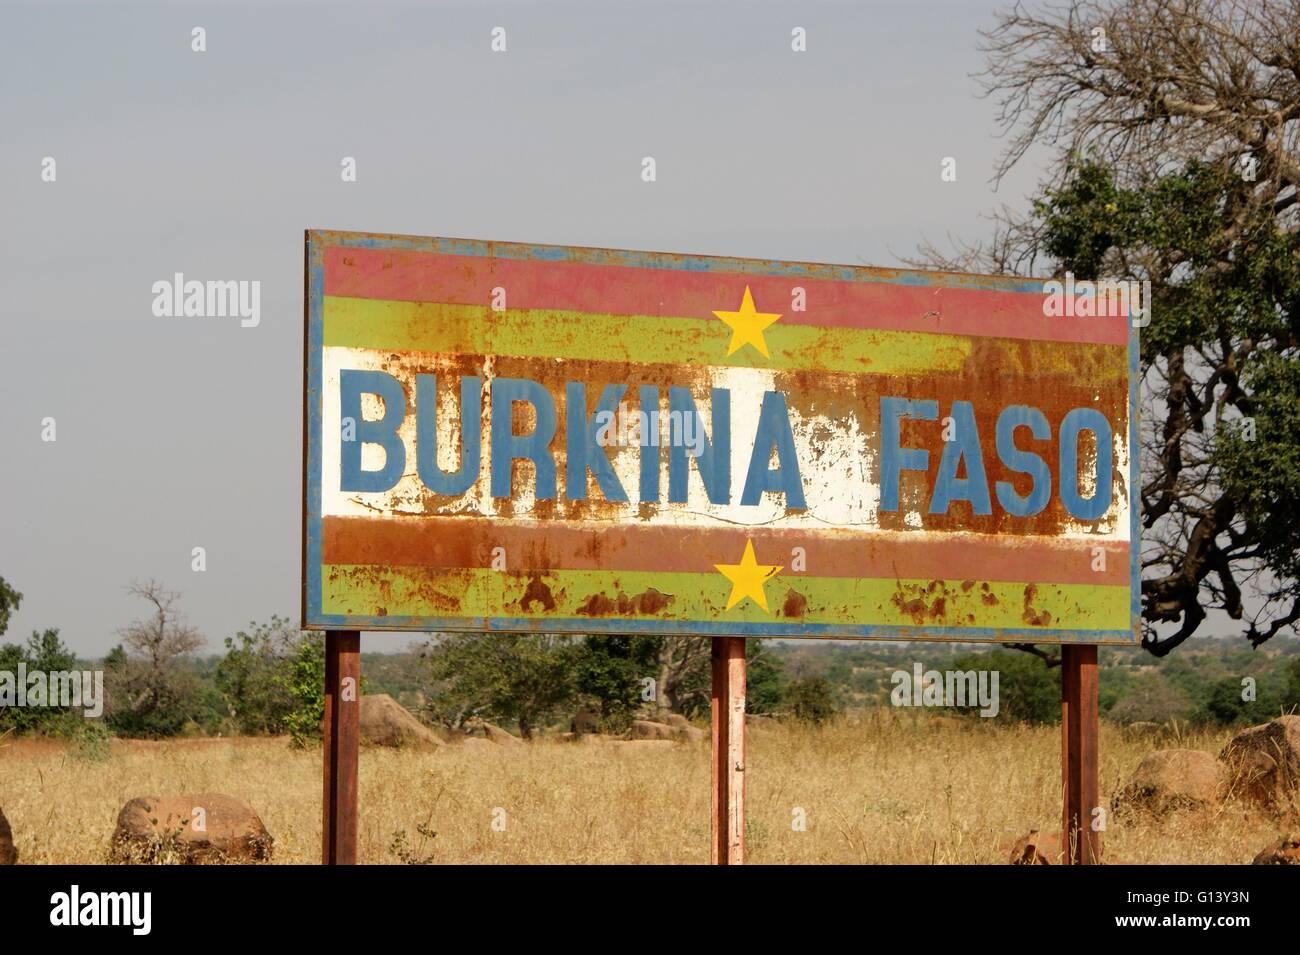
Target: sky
175, 433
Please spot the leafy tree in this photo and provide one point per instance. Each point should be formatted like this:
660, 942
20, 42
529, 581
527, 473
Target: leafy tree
524, 678
1150, 698
44, 652
1027, 691
1179, 167
608, 671
254, 676
1291, 694
9, 601
764, 692
1223, 704
304, 681
1222, 472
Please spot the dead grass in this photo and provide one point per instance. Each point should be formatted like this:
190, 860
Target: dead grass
877, 788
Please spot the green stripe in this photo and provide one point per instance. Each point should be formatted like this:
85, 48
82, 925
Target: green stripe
349, 589
549, 333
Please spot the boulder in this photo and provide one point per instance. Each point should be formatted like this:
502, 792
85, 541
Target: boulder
497, 735
676, 720
481, 729
646, 729
585, 721
1286, 851
1037, 848
385, 722
202, 829
8, 851
1263, 763
1169, 780
680, 730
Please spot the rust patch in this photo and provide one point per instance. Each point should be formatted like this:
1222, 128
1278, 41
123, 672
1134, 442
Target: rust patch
646, 603
537, 592
597, 605
987, 597
914, 608
796, 604
966, 585
1035, 618
652, 601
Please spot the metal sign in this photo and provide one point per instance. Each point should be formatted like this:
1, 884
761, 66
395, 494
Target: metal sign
505, 437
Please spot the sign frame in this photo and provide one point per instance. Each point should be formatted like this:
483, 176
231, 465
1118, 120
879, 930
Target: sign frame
313, 618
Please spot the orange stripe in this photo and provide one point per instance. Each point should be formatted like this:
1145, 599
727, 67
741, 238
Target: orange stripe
533, 546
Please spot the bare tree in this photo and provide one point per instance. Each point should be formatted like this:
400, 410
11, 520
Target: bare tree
1147, 87
147, 678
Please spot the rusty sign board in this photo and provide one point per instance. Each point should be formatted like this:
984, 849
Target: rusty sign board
506, 437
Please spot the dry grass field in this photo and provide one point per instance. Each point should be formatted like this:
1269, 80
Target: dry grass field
883, 788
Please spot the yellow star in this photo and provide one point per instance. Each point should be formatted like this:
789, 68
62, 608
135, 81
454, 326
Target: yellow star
747, 578
747, 325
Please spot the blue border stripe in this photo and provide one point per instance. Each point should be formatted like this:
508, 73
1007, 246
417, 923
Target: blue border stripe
315, 348
607, 625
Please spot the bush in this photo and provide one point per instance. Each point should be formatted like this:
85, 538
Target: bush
304, 680
1028, 691
809, 700
1150, 698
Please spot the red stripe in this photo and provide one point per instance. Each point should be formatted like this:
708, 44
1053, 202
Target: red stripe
470, 542
411, 276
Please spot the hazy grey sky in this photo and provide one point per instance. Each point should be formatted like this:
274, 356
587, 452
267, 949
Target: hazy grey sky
177, 433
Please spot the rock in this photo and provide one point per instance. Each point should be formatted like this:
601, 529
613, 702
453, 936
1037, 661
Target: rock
646, 729
444, 733
1169, 780
676, 720
680, 730
1286, 851
384, 722
1037, 848
476, 743
202, 829
8, 851
585, 721
482, 729
1263, 763
497, 735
